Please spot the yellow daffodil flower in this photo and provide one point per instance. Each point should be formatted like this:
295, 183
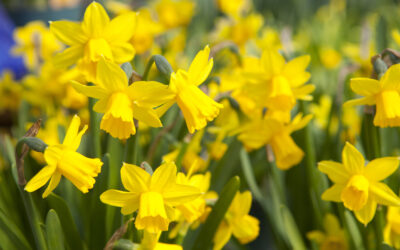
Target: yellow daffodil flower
384, 93
196, 106
391, 232
240, 30
278, 84
35, 43
154, 196
121, 103
232, 7
174, 13
51, 88
62, 159
238, 222
358, 186
192, 211
146, 30
95, 38
260, 132
333, 236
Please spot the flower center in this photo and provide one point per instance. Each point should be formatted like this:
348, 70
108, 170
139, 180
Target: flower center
280, 94
97, 48
355, 194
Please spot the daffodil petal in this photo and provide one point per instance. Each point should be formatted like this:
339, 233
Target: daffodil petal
366, 214
72, 139
163, 177
370, 100
150, 93
111, 76
95, 20
333, 193
40, 178
122, 52
222, 236
55, 179
178, 194
297, 65
381, 168
200, 67
134, 178
121, 28
383, 194
116, 198
352, 159
365, 86
90, 91
130, 206
68, 57
335, 171
246, 229
303, 91
68, 32
147, 116
391, 78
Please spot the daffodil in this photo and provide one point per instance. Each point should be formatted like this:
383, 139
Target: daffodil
359, 186
238, 222
95, 38
383, 93
50, 88
174, 13
121, 103
391, 232
196, 106
276, 84
333, 236
232, 7
35, 43
192, 211
261, 131
240, 30
154, 196
146, 31
63, 160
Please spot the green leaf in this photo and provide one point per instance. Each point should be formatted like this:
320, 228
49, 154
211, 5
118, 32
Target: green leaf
67, 222
249, 176
353, 231
205, 237
291, 230
54, 233
8, 228
97, 213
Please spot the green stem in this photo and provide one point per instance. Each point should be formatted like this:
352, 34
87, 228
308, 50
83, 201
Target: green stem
94, 130
34, 220
181, 154
147, 69
132, 148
